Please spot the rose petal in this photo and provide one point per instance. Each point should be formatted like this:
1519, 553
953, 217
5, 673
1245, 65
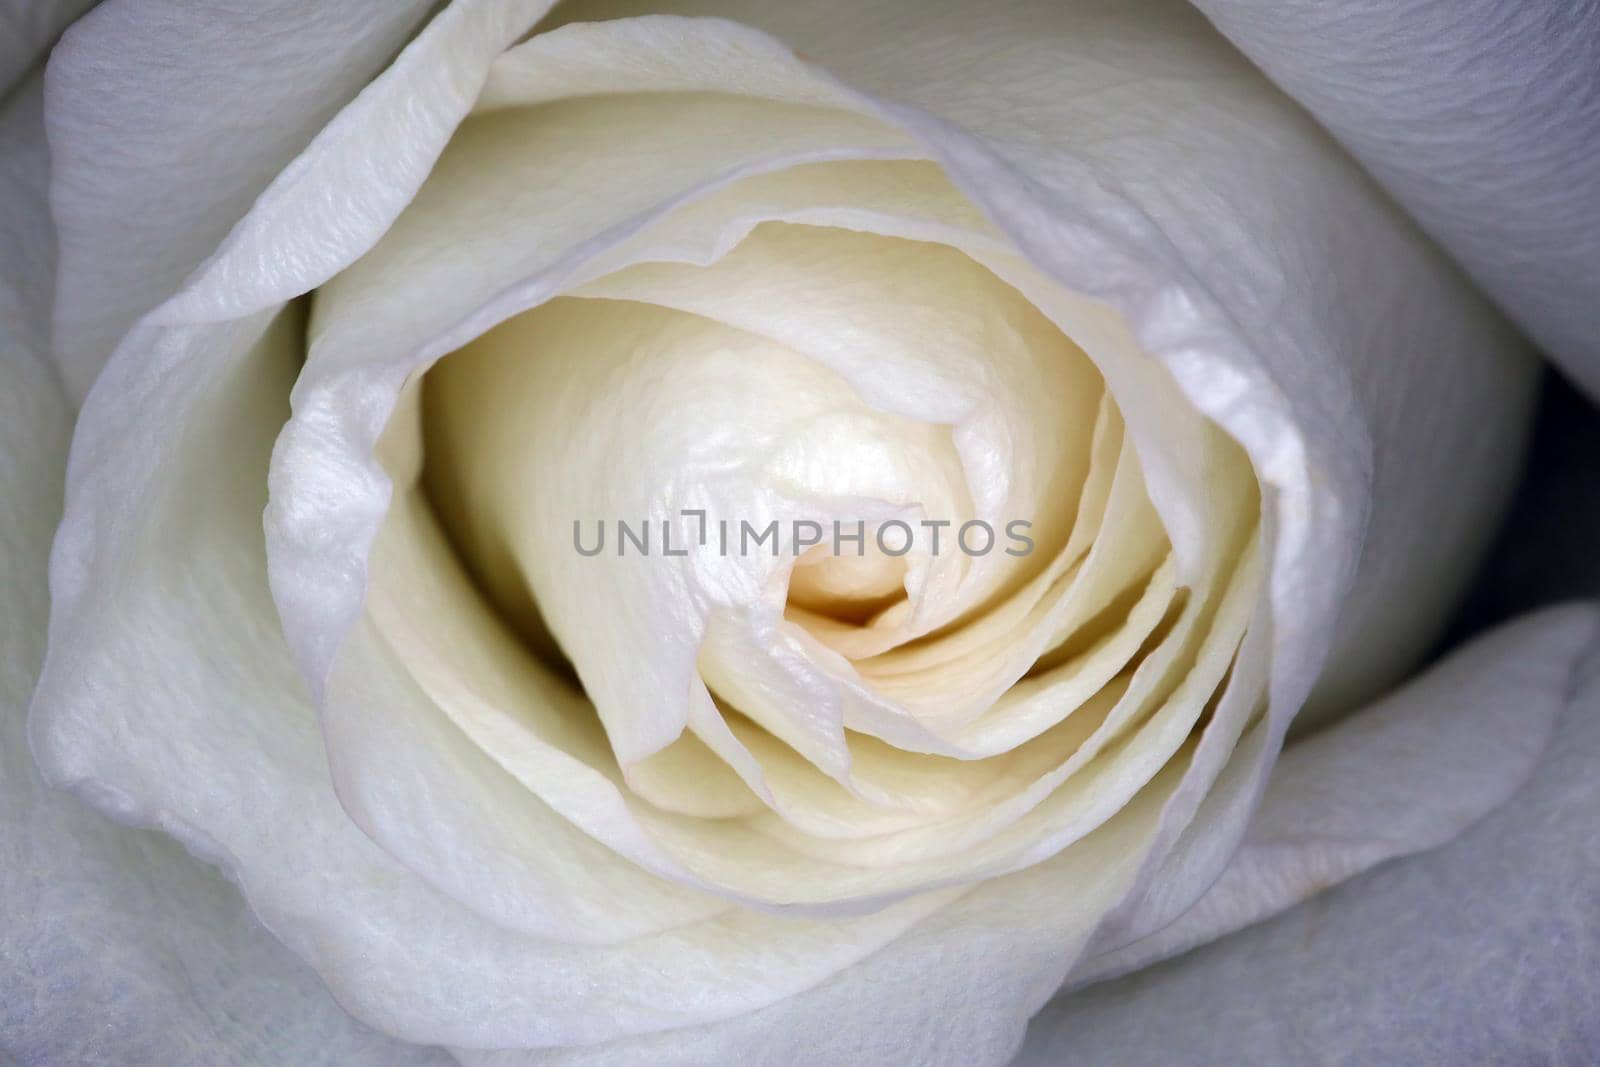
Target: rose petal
1405, 774
1482, 118
1484, 950
446, 273
720, 853
206, 106
119, 948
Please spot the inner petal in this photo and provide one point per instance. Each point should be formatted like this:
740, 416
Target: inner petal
768, 705
755, 438
847, 588
589, 420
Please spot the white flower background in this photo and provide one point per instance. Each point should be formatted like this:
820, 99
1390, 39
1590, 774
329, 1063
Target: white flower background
178, 171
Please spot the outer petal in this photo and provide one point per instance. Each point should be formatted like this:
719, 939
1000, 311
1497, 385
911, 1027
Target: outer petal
1408, 773
118, 947
956, 989
204, 105
1484, 951
1481, 117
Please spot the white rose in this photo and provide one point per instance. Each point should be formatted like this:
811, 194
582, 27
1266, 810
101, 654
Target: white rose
437, 314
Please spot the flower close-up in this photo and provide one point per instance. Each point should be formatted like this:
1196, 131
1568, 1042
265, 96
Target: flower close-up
615, 532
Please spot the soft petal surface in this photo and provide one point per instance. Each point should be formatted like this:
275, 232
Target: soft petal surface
1286, 311
1482, 118
1485, 950
119, 947
1408, 773
207, 104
